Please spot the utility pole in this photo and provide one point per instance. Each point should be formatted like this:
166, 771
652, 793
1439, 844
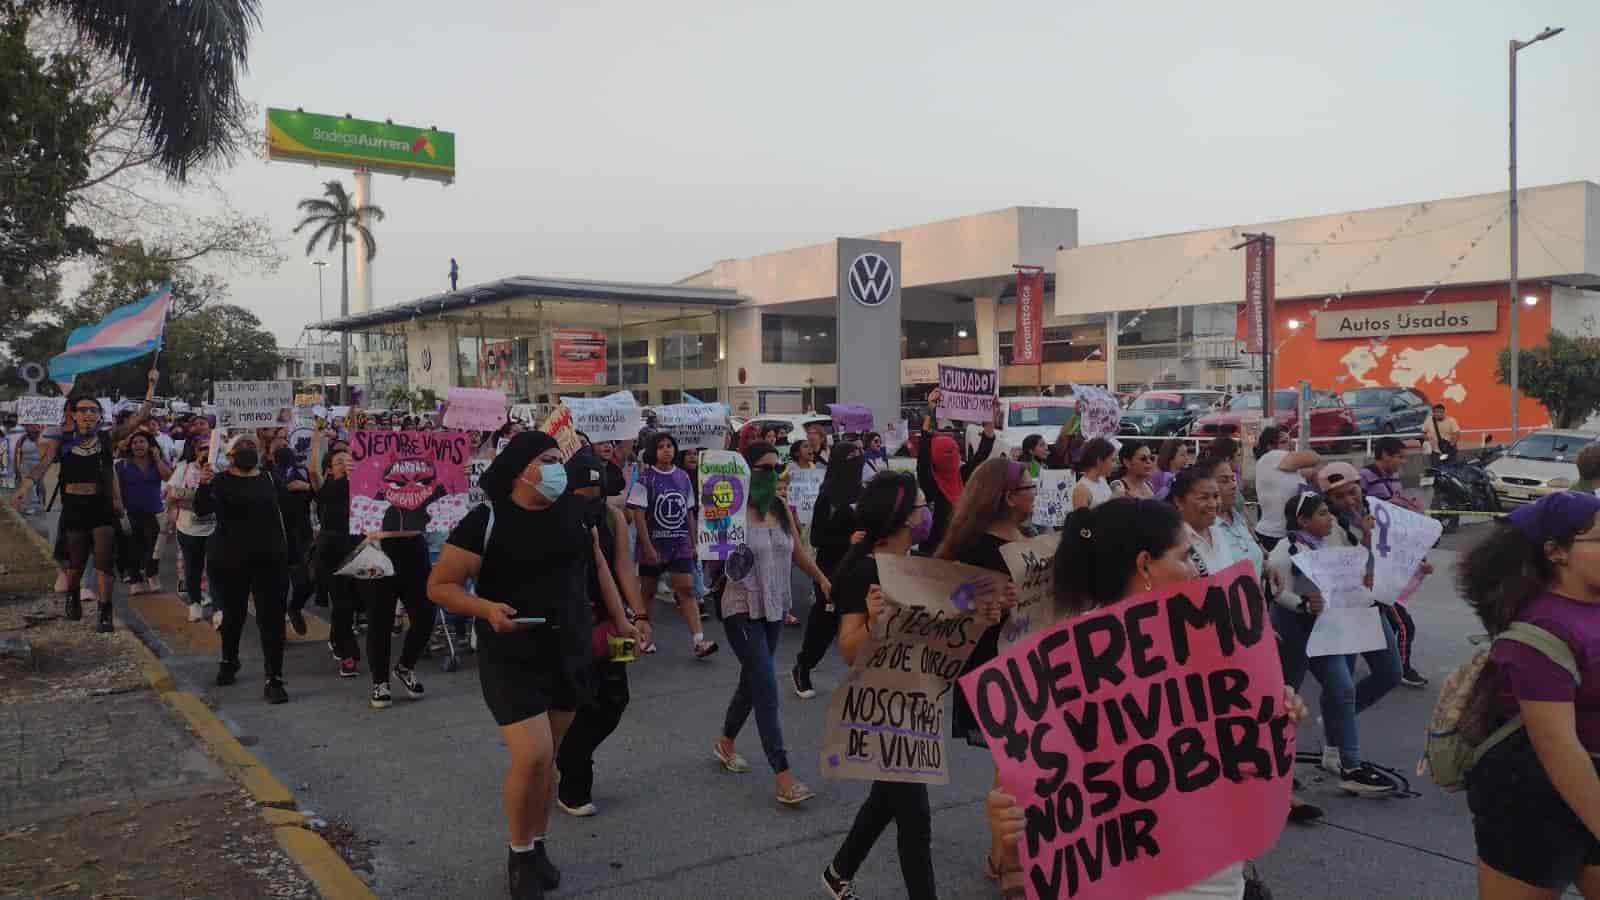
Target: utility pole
1513, 300
1259, 283
320, 367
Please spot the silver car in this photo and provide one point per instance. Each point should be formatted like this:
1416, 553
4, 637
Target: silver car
1542, 463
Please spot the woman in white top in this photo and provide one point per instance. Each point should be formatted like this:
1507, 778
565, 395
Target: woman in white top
1099, 455
1194, 493
193, 529
1233, 521
1138, 463
1278, 480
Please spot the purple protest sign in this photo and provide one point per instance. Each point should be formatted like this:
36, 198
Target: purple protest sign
850, 418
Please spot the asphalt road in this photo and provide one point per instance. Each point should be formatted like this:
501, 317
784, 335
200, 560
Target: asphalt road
422, 780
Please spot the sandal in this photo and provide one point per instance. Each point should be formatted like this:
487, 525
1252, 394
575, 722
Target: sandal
649, 647
731, 760
796, 794
704, 649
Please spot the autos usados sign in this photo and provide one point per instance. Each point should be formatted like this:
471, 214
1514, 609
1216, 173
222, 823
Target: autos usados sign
1445, 318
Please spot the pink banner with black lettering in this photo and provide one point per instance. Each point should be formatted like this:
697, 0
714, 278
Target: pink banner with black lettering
412, 481
1146, 741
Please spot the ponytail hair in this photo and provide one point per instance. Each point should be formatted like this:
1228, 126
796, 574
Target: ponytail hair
1100, 548
885, 506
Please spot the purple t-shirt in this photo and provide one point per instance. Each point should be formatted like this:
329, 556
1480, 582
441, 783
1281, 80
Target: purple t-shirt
668, 501
1527, 674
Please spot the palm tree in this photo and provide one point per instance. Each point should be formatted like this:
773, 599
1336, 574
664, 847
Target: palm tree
337, 218
182, 61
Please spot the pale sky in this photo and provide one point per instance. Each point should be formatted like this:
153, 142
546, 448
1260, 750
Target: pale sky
643, 141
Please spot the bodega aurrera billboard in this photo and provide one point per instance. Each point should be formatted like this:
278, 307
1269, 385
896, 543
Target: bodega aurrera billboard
1445, 318
350, 143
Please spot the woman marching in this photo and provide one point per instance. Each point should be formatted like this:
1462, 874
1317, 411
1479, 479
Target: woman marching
892, 516
330, 479
997, 502
249, 557
91, 499
753, 607
833, 521
140, 473
662, 503
529, 553
194, 530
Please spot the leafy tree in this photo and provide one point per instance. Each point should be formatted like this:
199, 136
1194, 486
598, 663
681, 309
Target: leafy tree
1563, 375
218, 343
335, 217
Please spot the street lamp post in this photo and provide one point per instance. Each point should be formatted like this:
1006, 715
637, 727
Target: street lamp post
322, 342
1512, 292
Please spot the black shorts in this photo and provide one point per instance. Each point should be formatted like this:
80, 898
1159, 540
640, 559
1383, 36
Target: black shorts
684, 566
523, 675
1522, 826
85, 512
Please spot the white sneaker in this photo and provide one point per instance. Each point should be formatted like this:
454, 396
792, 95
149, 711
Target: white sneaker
194, 612
584, 811
1330, 761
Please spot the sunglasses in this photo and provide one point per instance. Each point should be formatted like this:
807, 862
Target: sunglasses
87, 409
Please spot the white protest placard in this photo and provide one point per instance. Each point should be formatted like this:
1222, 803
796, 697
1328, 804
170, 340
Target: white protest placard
886, 720
895, 434
703, 425
35, 409
475, 409
1032, 564
1401, 540
1053, 499
724, 497
1348, 623
253, 403
614, 417
1099, 412
966, 394
559, 426
475, 469
804, 486
902, 464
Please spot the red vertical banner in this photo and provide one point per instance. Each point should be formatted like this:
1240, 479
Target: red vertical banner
1027, 345
1258, 281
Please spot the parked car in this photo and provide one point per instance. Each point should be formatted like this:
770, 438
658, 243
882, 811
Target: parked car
1387, 410
1542, 463
1329, 416
1023, 416
1168, 412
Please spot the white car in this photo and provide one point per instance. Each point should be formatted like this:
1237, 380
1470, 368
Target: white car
794, 426
1542, 463
1024, 416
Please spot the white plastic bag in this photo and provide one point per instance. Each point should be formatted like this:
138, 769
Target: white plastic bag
367, 562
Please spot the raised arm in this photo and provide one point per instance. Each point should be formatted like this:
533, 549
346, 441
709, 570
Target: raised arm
142, 414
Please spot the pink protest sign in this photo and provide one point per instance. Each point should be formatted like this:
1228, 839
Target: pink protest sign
475, 409
1147, 741
411, 481
850, 418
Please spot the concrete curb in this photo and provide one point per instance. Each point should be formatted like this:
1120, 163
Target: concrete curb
316, 857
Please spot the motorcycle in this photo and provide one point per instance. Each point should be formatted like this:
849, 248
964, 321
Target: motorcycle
1463, 486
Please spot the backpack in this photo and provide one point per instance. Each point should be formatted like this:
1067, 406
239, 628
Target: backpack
1456, 737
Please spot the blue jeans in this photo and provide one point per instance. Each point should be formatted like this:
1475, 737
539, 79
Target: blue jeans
756, 643
1343, 698
699, 579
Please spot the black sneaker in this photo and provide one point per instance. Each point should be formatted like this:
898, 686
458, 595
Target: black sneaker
522, 876
74, 609
381, 699
838, 888
408, 680
297, 621
226, 672
274, 692
104, 626
1411, 678
1365, 781
802, 683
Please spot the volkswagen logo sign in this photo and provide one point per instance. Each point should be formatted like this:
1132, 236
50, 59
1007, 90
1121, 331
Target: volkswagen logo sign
871, 279
427, 359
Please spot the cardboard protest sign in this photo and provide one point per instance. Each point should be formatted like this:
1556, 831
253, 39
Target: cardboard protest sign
1099, 412
724, 495
850, 418
902, 464
804, 486
1032, 564
253, 404
1146, 741
886, 720
1401, 540
475, 409
1053, 499
967, 395
1348, 623
703, 425
614, 417
410, 481
34, 409
559, 426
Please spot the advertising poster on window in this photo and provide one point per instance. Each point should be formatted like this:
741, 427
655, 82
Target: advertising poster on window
578, 357
408, 481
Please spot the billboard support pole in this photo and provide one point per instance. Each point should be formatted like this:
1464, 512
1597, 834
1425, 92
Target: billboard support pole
1266, 250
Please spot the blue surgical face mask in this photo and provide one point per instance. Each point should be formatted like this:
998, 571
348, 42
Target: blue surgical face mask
552, 481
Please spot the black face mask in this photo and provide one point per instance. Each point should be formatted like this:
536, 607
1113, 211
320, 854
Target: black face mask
245, 458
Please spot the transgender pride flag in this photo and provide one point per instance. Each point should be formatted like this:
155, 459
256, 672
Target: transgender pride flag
129, 332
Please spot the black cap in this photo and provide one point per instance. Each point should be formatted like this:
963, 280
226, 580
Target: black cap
585, 470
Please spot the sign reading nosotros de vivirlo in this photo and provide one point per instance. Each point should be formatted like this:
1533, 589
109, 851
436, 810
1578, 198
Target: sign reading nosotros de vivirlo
253, 403
886, 720
361, 144
967, 395
724, 491
1147, 741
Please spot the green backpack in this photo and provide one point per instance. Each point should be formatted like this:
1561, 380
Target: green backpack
1456, 730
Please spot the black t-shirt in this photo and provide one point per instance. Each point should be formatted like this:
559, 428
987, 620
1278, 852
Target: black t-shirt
850, 586
333, 505
249, 524
537, 560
